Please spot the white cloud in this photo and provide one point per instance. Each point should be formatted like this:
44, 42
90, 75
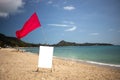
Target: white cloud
53, 4
65, 26
71, 29
94, 34
50, 2
65, 2
59, 25
3, 14
69, 8
10, 6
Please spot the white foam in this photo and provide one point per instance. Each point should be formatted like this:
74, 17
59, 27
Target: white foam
104, 64
91, 62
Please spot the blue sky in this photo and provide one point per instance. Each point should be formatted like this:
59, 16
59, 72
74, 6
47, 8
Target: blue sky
78, 21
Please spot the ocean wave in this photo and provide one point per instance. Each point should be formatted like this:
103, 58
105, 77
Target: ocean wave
91, 62
104, 64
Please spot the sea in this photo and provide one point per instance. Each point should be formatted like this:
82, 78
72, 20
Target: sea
101, 55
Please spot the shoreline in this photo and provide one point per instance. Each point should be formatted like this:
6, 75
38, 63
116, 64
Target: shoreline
16, 65
95, 62
84, 61
89, 62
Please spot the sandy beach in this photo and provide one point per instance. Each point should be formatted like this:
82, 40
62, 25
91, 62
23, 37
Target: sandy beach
16, 65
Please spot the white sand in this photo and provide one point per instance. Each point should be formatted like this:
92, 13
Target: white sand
22, 66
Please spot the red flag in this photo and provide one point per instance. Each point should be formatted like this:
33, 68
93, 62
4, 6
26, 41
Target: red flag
30, 25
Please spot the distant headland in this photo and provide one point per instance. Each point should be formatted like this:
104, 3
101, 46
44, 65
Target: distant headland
6, 41
65, 43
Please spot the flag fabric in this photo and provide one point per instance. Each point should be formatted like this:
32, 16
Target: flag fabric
45, 57
31, 24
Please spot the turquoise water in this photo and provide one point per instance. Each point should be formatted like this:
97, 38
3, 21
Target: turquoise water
99, 54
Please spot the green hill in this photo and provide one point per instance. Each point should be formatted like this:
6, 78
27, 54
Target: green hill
6, 41
65, 43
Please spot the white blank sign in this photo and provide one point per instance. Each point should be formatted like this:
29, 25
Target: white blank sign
45, 57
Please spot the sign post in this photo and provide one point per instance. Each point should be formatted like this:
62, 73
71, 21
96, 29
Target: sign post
45, 57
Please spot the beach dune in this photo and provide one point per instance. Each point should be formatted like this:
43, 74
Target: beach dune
16, 65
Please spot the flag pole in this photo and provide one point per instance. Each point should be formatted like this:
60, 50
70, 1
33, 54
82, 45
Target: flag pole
45, 43
37, 70
44, 38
